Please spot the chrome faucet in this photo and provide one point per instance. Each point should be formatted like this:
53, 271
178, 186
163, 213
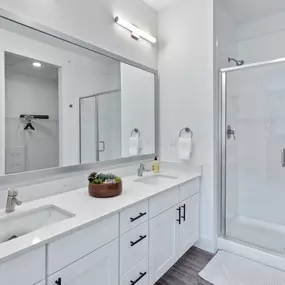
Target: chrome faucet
12, 201
141, 169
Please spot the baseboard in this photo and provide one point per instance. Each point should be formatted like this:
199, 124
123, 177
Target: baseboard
207, 244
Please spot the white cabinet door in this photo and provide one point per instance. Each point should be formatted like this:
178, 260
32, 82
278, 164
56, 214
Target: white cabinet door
188, 230
162, 243
100, 267
26, 269
41, 283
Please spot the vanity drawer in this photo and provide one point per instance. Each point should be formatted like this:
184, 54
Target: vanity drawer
137, 275
82, 242
101, 267
26, 269
133, 247
163, 201
133, 216
189, 188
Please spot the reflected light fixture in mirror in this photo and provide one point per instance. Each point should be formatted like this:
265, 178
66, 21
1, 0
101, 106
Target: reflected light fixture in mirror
135, 31
37, 64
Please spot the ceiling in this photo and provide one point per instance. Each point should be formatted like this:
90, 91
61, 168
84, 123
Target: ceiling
244, 11
24, 65
160, 5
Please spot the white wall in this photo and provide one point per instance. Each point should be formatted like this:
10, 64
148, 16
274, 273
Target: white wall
225, 29
258, 40
263, 39
186, 94
32, 95
137, 103
78, 76
92, 21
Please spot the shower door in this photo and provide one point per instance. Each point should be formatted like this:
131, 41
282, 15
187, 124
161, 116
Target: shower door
88, 130
100, 127
253, 160
109, 125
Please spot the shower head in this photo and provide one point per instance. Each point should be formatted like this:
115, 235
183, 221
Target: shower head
238, 62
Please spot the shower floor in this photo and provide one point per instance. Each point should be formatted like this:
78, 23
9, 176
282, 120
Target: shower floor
263, 234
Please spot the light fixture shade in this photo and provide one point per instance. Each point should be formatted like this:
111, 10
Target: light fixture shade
136, 32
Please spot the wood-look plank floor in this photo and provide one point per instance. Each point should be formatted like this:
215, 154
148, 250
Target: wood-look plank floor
185, 271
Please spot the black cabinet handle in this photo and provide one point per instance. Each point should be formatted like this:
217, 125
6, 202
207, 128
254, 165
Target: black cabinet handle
139, 278
179, 217
184, 212
139, 240
138, 217
58, 281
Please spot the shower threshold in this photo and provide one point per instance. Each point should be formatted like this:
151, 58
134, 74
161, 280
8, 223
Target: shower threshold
263, 234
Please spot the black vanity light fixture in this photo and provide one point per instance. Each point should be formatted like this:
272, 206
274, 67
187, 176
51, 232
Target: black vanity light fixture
136, 32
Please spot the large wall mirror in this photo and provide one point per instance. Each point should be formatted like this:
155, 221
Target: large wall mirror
62, 104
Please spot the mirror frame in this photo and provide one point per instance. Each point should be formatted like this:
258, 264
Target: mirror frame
44, 173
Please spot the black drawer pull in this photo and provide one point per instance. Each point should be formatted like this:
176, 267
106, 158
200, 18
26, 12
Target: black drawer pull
179, 215
139, 278
138, 217
184, 212
139, 240
58, 281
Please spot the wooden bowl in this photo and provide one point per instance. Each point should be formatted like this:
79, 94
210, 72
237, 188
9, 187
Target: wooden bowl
105, 190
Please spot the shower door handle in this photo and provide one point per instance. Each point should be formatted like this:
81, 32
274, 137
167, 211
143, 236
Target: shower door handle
103, 144
230, 132
283, 157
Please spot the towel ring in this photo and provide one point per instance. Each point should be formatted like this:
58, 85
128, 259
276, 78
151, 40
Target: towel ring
186, 130
136, 131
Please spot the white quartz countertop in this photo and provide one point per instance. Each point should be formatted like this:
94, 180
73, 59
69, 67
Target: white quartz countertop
86, 209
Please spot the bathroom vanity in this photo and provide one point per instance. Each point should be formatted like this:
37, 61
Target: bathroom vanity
71, 107
131, 239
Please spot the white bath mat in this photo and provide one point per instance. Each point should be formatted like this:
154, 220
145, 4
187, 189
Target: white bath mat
230, 269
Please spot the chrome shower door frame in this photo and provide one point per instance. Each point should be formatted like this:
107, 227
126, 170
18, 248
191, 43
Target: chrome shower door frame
222, 146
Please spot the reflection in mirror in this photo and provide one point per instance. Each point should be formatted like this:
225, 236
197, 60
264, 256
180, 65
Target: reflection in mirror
120, 122
138, 112
31, 120
64, 104
100, 126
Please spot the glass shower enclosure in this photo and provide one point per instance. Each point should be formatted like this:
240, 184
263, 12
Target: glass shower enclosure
252, 123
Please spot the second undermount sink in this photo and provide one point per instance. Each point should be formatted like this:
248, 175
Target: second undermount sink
18, 224
155, 179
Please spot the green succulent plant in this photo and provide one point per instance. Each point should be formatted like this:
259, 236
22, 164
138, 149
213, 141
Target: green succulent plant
100, 178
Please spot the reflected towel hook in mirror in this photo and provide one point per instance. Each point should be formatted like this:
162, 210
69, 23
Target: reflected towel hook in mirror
136, 131
28, 120
186, 130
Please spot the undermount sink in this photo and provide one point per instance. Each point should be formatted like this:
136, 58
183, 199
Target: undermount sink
155, 179
18, 224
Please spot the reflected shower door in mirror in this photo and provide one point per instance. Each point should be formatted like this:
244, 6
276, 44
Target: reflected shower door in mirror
100, 127
62, 104
119, 123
